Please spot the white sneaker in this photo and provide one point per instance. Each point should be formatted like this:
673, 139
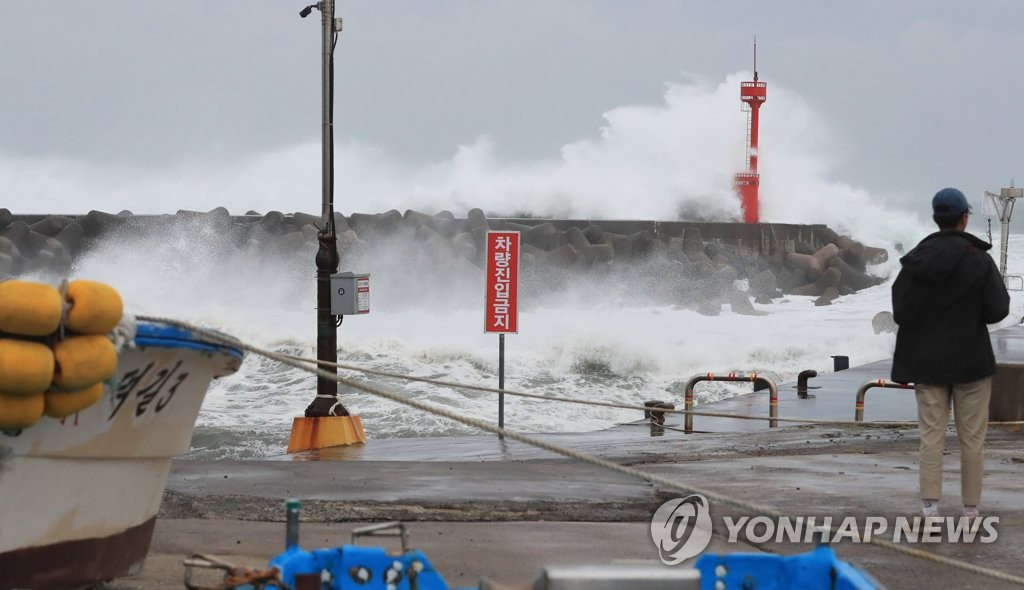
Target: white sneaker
971, 512
929, 509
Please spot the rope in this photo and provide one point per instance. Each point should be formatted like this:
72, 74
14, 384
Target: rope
234, 576
556, 398
570, 453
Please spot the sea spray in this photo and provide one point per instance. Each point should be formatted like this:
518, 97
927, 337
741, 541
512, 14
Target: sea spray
585, 338
669, 160
574, 341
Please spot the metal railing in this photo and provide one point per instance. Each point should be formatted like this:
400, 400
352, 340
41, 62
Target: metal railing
773, 394
863, 390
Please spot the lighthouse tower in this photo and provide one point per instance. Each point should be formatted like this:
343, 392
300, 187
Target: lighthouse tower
752, 95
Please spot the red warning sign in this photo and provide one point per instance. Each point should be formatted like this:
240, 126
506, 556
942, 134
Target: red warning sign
502, 310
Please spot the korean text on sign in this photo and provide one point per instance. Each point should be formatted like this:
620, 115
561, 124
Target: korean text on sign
501, 314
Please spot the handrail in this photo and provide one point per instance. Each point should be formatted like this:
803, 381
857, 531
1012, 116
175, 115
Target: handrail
858, 415
773, 394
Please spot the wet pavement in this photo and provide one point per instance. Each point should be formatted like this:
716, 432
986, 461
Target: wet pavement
800, 471
448, 484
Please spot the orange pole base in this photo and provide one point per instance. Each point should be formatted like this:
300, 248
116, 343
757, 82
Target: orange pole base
330, 431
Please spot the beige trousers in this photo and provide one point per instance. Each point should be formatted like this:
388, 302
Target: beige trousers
970, 406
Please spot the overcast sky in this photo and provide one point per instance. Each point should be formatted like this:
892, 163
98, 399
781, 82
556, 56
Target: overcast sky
913, 95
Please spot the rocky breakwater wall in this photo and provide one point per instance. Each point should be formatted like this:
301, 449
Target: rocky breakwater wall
702, 266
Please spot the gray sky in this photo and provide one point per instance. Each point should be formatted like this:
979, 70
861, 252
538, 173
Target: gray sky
915, 94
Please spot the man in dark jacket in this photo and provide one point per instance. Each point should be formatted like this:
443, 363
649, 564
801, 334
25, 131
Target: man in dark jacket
946, 293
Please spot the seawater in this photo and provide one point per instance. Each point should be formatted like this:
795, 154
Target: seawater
580, 341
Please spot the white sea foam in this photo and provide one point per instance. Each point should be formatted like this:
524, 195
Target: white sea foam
609, 349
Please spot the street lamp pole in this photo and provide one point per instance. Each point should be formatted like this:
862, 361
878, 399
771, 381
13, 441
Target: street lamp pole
326, 402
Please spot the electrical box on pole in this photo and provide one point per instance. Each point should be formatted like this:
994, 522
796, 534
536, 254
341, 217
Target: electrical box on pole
350, 294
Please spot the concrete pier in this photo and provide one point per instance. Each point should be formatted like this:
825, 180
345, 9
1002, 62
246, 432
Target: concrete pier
500, 509
488, 518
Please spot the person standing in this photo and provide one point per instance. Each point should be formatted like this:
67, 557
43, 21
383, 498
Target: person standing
947, 291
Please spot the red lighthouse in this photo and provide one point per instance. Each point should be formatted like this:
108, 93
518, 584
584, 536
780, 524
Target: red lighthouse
752, 95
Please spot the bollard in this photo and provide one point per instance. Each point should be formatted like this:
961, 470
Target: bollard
773, 394
801, 382
652, 413
858, 414
291, 531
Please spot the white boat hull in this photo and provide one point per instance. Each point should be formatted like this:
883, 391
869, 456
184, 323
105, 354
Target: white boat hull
79, 496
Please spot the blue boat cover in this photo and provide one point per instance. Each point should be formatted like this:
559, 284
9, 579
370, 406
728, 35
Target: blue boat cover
766, 571
365, 568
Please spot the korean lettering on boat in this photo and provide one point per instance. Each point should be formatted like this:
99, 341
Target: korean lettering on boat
146, 388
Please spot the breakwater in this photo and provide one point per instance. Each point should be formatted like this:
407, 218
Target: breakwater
699, 265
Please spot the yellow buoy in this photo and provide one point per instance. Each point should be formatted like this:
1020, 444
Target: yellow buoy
83, 361
20, 411
26, 368
29, 309
96, 308
60, 404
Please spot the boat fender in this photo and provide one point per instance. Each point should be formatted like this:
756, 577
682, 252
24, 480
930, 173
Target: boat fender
60, 404
96, 308
29, 309
83, 361
20, 411
26, 368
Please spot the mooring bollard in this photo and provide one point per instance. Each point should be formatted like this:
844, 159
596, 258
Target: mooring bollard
652, 413
801, 382
863, 390
773, 394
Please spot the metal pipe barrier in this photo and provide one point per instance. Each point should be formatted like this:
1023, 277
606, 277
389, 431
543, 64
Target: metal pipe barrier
773, 394
801, 382
863, 390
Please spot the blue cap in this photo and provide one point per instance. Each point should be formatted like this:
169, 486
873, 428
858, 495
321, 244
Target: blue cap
950, 202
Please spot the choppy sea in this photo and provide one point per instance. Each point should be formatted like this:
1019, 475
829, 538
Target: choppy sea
581, 342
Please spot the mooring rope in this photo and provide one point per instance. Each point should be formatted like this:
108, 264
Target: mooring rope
572, 400
587, 402
570, 453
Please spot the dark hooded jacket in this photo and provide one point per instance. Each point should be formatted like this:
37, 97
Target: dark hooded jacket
946, 293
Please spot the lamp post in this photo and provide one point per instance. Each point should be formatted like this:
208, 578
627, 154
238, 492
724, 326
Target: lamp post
1003, 206
326, 402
